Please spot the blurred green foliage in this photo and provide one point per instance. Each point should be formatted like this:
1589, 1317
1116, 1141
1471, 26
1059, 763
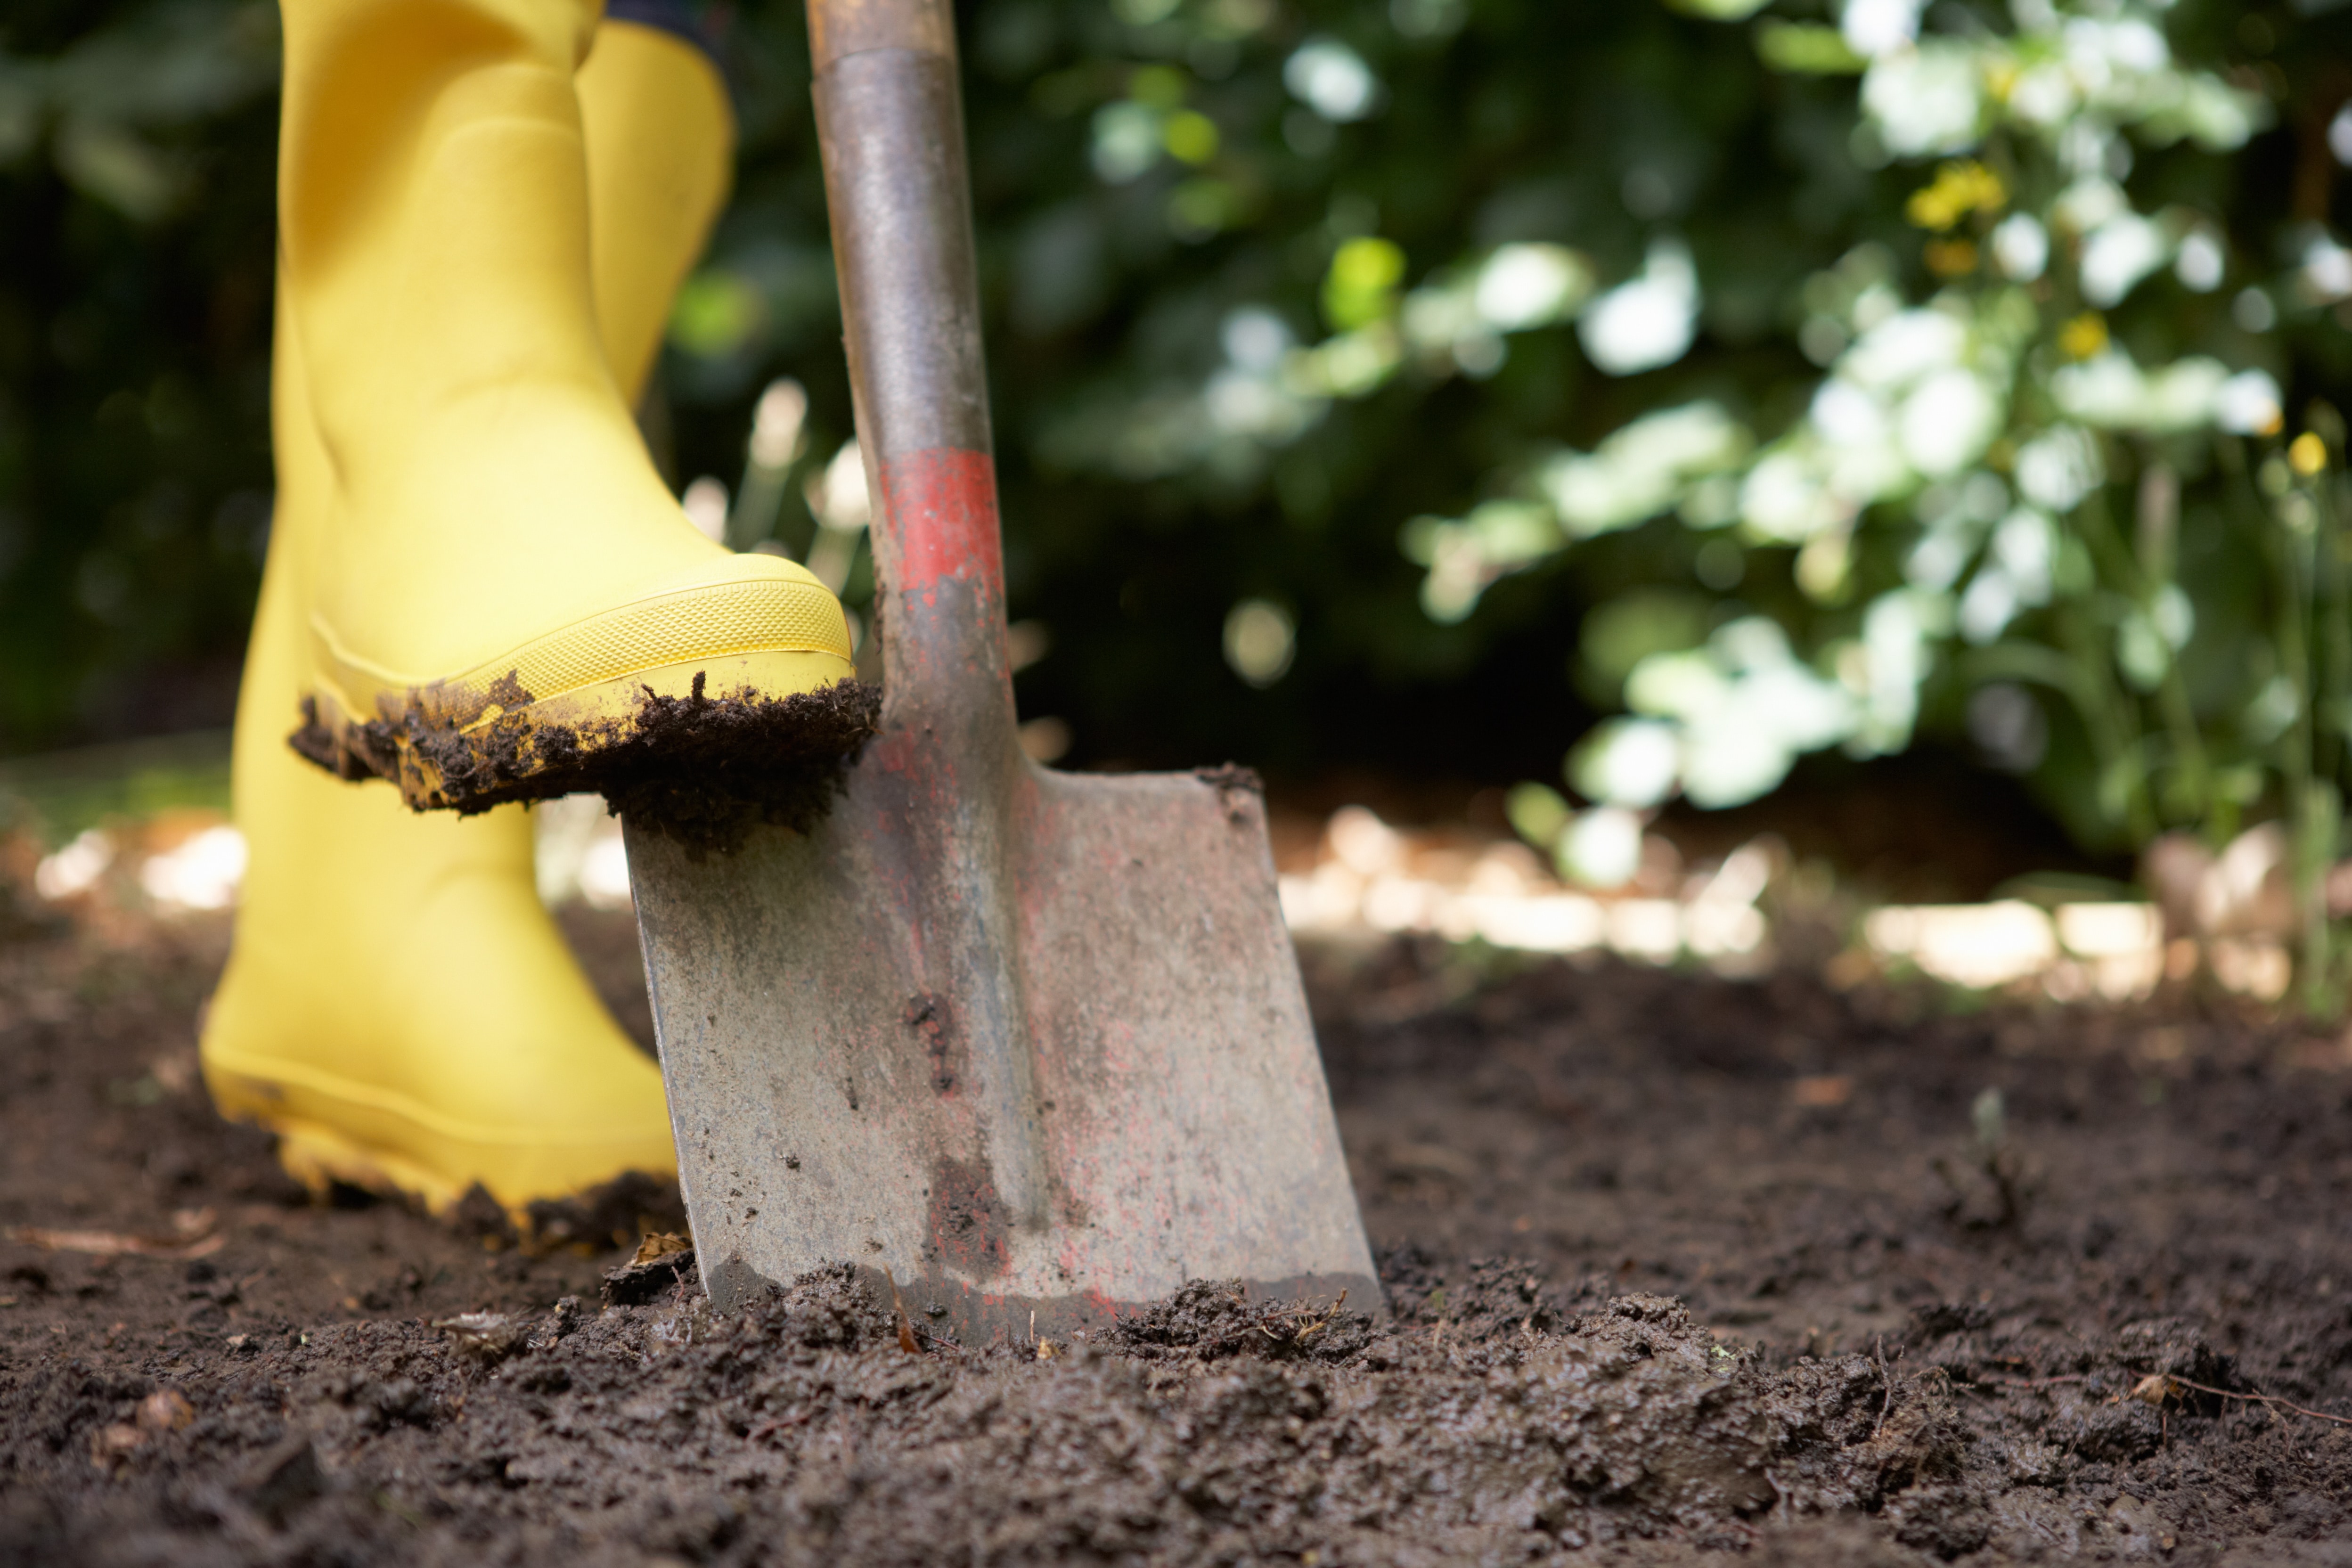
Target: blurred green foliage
1410, 332
136, 191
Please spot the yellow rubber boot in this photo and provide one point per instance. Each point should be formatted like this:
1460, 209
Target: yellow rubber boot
398, 1006
660, 141
507, 602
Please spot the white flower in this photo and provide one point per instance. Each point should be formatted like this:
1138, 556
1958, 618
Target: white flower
1875, 27
1926, 99
2043, 95
1524, 285
2327, 270
2026, 547
1648, 321
1627, 762
1948, 422
2113, 393
1895, 633
1241, 403
1904, 348
1126, 140
1846, 416
1255, 338
2201, 264
1639, 471
2056, 469
2020, 247
2088, 202
2248, 404
1942, 553
2121, 251
1782, 500
1332, 79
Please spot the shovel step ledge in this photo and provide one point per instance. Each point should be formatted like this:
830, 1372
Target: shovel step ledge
1034, 1043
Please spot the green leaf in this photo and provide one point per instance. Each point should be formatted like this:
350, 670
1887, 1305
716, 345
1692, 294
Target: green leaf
1719, 10
1537, 812
1807, 48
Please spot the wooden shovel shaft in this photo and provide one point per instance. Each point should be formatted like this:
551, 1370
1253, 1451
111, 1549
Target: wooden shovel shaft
890, 122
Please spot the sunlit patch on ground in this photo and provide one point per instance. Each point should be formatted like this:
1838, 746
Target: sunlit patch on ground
1352, 878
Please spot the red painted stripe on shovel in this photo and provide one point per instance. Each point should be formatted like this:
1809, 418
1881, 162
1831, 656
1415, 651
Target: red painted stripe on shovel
941, 503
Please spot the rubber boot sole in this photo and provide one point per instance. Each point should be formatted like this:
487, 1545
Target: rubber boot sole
697, 745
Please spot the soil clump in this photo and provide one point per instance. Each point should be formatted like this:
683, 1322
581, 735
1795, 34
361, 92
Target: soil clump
1679, 1270
702, 768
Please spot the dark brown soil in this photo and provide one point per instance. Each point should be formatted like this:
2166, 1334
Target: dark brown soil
1679, 1267
701, 768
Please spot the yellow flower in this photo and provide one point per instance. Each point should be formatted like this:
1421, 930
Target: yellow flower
2084, 336
2307, 454
1960, 187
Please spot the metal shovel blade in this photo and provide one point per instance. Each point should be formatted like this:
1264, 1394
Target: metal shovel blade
1034, 1043
1153, 1113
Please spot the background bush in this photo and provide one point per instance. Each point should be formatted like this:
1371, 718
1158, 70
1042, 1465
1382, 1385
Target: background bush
1312, 326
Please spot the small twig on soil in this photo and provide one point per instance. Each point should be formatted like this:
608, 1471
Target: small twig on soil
2164, 1386
194, 1236
2034, 1382
939, 1343
1289, 1316
905, 1324
1325, 1320
769, 1428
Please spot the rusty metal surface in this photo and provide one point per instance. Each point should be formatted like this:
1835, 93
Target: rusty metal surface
1153, 1111
1032, 1042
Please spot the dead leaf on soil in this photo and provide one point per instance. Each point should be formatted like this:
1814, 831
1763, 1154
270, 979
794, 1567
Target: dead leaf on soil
166, 1410
196, 1234
109, 1445
1823, 1090
661, 1243
492, 1336
663, 1262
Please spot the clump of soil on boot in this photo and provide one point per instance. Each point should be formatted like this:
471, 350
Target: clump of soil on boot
701, 769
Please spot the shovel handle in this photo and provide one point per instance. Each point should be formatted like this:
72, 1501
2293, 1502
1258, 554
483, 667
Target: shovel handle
838, 28
890, 123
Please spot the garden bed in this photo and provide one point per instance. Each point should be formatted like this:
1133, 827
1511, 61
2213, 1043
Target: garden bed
1677, 1264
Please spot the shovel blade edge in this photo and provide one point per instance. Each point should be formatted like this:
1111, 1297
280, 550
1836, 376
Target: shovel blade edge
1131, 1100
